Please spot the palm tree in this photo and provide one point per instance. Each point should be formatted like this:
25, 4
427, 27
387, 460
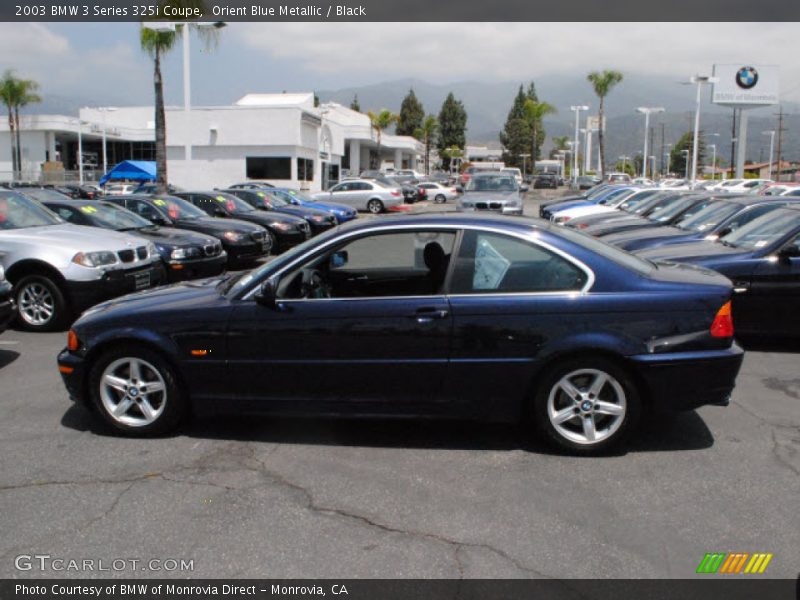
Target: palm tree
8, 93
157, 43
380, 122
26, 94
603, 82
534, 113
426, 134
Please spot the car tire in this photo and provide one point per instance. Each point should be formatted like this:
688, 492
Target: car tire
440, 199
41, 305
273, 242
375, 206
136, 392
586, 406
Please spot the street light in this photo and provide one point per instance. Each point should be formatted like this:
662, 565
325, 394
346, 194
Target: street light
686, 153
713, 161
168, 26
577, 110
668, 155
104, 110
771, 134
647, 111
699, 80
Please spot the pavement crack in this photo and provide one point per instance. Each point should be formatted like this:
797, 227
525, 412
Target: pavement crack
79, 482
782, 460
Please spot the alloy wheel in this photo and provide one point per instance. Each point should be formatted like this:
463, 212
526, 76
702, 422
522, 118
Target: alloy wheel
133, 392
36, 304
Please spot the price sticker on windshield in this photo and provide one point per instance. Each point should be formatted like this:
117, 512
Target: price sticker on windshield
89, 209
159, 202
221, 199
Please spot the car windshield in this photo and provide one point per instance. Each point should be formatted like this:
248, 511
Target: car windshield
492, 183
275, 198
43, 195
18, 212
616, 195
711, 216
668, 212
233, 203
647, 208
637, 199
111, 216
290, 196
764, 231
178, 208
598, 191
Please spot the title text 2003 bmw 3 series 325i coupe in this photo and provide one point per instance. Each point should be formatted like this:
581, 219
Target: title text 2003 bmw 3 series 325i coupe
476, 317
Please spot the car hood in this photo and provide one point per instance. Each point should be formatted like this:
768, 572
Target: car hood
303, 211
216, 226
68, 237
338, 208
558, 206
651, 231
177, 297
700, 250
175, 237
274, 216
491, 197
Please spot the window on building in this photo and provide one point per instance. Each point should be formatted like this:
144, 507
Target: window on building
305, 169
269, 167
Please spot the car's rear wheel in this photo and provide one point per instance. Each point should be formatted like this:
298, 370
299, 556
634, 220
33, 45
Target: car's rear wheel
136, 391
586, 406
440, 199
41, 304
375, 206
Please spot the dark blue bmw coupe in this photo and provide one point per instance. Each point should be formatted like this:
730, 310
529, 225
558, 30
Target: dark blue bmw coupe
457, 316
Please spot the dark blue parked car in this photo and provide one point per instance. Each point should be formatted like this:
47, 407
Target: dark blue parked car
457, 316
762, 259
606, 196
718, 218
342, 212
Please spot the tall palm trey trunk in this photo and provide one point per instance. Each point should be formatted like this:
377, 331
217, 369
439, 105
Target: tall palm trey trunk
600, 141
13, 137
161, 125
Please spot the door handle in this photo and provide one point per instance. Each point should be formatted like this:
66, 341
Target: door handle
428, 314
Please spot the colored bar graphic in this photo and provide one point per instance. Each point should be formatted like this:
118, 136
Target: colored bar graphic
733, 562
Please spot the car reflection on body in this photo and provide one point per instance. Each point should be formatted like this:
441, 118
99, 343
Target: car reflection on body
441, 315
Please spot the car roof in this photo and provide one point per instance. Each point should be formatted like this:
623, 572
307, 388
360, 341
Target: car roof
434, 219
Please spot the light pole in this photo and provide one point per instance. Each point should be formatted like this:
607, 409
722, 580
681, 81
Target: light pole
624, 158
668, 155
104, 110
771, 134
164, 26
80, 153
566, 153
699, 80
577, 110
524, 157
713, 160
647, 111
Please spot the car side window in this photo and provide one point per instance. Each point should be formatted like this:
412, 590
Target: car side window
374, 266
749, 215
342, 187
491, 263
143, 209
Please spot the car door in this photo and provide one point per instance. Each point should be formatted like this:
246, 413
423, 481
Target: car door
379, 343
509, 296
774, 293
342, 194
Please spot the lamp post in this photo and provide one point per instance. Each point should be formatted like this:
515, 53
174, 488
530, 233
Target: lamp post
686, 153
624, 158
80, 153
103, 110
164, 26
524, 157
668, 155
566, 153
647, 111
577, 110
771, 134
699, 80
713, 160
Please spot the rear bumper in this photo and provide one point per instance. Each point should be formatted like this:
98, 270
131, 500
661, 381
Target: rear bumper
83, 294
686, 380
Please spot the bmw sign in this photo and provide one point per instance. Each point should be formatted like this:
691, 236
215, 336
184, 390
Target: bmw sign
746, 78
744, 85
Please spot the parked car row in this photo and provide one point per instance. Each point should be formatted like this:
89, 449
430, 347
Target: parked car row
752, 239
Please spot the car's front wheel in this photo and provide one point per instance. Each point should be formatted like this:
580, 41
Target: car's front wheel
136, 391
440, 199
375, 206
586, 406
41, 304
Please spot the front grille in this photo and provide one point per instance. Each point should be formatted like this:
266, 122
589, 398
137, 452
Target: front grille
126, 255
212, 249
141, 252
258, 235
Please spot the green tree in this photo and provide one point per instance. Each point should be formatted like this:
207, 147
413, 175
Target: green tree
354, 105
559, 145
16, 94
516, 133
534, 115
602, 83
316, 100
452, 127
448, 154
411, 115
156, 44
681, 153
427, 135
381, 121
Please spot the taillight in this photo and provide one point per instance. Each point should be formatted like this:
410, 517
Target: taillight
723, 322
396, 194
72, 341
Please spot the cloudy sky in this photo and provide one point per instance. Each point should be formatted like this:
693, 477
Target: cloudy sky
103, 61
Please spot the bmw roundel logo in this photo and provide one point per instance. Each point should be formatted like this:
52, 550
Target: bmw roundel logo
746, 78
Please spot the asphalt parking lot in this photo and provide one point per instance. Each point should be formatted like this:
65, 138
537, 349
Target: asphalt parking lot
341, 499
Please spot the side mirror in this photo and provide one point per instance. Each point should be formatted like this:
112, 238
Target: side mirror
725, 231
790, 251
218, 212
268, 293
158, 220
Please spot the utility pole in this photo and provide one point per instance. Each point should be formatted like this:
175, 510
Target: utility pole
652, 149
662, 150
780, 137
733, 142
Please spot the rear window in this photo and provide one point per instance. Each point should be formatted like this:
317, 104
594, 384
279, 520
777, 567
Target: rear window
612, 253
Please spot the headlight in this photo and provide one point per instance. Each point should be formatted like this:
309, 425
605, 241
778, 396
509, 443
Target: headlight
561, 219
281, 226
318, 219
234, 236
2, 273
95, 259
178, 254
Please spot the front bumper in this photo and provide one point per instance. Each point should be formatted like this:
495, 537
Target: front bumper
83, 294
8, 309
73, 372
248, 250
679, 381
183, 270
491, 207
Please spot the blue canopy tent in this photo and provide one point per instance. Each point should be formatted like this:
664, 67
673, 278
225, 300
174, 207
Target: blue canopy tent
132, 170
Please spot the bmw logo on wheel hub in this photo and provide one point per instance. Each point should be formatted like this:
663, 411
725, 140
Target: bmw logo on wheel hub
746, 78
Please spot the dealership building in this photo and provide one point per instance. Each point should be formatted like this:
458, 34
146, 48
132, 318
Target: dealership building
283, 138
